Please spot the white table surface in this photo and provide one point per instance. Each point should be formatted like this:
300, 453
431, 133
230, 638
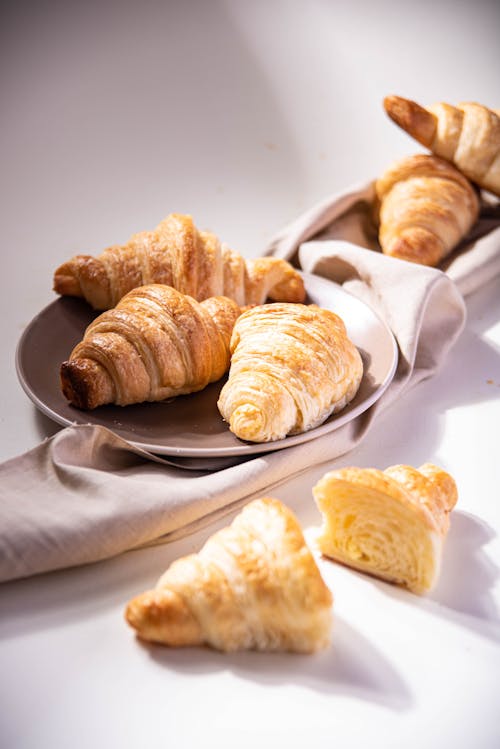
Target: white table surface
244, 114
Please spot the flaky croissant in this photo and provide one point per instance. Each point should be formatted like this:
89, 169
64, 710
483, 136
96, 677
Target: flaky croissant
425, 207
178, 255
254, 585
391, 524
292, 366
467, 135
155, 344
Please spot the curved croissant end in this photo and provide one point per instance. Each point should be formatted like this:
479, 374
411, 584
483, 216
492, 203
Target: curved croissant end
177, 254
253, 585
155, 344
426, 207
292, 366
467, 135
391, 524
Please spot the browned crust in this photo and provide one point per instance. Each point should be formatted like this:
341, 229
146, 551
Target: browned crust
291, 290
422, 165
85, 383
66, 280
417, 245
84, 276
162, 616
411, 117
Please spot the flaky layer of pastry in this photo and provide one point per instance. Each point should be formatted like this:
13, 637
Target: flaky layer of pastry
467, 135
391, 524
292, 366
177, 254
425, 207
156, 343
254, 585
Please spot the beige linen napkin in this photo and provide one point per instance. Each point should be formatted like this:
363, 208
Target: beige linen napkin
85, 494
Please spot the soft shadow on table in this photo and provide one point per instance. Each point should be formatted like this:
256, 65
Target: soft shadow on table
463, 594
352, 667
58, 598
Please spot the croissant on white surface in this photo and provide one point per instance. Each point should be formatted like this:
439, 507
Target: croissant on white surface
424, 207
467, 135
155, 344
177, 254
254, 585
292, 365
391, 524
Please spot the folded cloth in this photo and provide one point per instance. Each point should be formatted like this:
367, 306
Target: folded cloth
348, 218
86, 494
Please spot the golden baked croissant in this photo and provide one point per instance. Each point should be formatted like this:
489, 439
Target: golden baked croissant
155, 344
254, 585
292, 365
468, 135
391, 524
425, 207
178, 255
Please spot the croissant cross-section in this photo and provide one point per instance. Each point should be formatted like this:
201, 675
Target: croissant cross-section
177, 254
391, 524
254, 585
156, 343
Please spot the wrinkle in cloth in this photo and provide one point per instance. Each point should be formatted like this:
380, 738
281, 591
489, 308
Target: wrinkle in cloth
85, 494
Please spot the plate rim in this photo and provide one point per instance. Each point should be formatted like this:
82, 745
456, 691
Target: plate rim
244, 449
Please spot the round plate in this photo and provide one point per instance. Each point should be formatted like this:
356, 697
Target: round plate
190, 425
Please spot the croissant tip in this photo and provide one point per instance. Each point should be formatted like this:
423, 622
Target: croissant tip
85, 384
65, 283
391, 99
411, 117
73, 387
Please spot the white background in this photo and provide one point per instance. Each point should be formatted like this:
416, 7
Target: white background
244, 114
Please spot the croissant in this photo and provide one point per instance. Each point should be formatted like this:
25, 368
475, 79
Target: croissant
155, 344
178, 255
425, 207
292, 365
254, 585
468, 135
391, 524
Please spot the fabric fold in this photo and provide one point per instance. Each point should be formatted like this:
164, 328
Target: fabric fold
86, 495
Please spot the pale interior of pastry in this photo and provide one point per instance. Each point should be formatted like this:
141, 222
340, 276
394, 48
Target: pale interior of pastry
390, 524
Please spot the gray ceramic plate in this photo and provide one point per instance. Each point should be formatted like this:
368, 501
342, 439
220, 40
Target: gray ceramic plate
191, 425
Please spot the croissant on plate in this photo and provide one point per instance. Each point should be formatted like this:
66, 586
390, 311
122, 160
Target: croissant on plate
425, 208
178, 255
292, 365
467, 135
254, 585
155, 344
391, 524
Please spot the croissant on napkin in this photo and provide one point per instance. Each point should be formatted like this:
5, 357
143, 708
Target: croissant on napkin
391, 524
155, 344
178, 255
292, 365
424, 208
467, 135
254, 585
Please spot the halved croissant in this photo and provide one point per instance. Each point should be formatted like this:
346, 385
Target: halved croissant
178, 255
155, 344
468, 135
391, 524
425, 207
254, 585
292, 365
